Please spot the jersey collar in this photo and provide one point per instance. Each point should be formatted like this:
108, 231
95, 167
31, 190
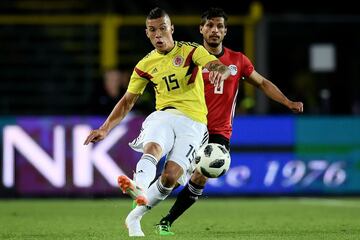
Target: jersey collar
173, 49
220, 54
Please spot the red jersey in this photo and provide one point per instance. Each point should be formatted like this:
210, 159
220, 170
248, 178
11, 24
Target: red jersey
221, 101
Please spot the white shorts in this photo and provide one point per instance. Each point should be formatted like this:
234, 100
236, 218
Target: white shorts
179, 137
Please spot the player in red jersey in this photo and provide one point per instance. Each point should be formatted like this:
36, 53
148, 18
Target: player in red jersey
221, 100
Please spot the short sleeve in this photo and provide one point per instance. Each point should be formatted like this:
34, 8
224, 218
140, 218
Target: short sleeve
247, 66
201, 56
138, 82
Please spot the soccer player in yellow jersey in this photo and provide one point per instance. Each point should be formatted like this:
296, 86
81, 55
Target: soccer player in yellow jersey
178, 127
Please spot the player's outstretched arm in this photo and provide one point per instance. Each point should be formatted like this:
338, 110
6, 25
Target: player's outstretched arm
121, 109
273, 92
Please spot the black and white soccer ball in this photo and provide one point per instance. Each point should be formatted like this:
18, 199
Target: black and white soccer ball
213, 160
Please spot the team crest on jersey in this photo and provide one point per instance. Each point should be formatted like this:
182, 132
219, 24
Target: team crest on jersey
233, 70
178, 60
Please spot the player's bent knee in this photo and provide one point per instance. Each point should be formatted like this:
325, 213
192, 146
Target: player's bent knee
154, 149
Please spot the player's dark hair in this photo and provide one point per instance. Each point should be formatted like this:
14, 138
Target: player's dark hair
213, 13
156, 13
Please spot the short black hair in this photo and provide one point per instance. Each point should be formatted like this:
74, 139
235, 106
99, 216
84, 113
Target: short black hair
156, 13
213, 13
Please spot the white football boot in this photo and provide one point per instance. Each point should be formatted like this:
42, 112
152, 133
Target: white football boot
132, 222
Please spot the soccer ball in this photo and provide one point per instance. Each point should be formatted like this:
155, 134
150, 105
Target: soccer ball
212, 160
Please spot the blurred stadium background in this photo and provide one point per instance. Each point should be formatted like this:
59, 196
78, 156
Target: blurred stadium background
56, 58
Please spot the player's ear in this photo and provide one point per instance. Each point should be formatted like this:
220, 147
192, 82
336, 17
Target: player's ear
172, 29
225, 31
200, 28
147, 32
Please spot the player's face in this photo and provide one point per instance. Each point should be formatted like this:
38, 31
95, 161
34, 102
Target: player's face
160, 31
214, 31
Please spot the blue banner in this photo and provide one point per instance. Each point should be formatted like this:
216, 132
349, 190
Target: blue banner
45, 156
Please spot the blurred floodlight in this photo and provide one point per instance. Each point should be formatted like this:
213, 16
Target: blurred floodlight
322, 58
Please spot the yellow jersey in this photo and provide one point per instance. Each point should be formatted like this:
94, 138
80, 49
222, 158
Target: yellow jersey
176, 78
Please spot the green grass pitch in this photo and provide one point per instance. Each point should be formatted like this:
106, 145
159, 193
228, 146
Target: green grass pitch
231, 218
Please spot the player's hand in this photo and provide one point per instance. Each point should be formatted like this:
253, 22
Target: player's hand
216, 78
296, 107
95, 136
